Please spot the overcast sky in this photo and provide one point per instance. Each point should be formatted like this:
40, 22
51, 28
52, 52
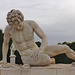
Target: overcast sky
55, 17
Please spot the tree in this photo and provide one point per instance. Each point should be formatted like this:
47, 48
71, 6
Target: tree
38, 43
1, 41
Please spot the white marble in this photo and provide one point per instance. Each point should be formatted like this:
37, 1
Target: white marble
12, 59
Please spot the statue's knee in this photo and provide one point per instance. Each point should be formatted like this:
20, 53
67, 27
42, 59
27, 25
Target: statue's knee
46, 59
67, 48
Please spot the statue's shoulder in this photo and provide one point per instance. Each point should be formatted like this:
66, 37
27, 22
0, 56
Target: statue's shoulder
32, 23
7, 28
29, 21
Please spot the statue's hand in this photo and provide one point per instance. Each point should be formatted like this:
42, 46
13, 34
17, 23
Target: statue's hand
36, 54
3, 62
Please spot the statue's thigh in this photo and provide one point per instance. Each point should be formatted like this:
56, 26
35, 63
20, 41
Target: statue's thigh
43, 59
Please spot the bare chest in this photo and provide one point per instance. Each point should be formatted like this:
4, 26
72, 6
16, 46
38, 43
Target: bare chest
23, 35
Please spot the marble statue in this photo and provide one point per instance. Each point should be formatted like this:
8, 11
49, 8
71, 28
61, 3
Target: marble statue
22, 33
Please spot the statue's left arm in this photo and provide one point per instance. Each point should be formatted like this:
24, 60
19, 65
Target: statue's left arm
41, 34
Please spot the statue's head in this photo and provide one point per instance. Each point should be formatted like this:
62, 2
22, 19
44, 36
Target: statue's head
14, 17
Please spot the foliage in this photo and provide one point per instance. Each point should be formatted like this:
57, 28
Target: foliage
1, 41
38, 43
18, 58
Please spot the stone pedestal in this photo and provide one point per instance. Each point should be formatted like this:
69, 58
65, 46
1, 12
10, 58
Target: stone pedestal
53, 69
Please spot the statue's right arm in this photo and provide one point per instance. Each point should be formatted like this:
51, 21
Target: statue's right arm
6, 43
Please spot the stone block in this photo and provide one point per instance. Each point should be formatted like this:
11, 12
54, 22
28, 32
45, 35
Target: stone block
65, 72
54, 69
10, 72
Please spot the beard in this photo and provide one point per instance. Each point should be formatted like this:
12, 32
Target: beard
19, 28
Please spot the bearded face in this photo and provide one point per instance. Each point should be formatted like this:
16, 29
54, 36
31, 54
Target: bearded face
19, 26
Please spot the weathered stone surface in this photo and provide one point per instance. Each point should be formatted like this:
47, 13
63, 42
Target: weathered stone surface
57, 69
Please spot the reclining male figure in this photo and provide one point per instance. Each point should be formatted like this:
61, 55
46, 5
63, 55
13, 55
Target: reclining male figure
22, 34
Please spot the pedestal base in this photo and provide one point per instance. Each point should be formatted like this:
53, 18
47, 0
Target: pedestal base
53, 69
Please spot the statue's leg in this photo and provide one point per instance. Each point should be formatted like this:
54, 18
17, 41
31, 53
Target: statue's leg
59, 49
43, 59
70, 53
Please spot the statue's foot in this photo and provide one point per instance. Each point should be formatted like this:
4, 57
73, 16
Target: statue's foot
53, 60
26, 66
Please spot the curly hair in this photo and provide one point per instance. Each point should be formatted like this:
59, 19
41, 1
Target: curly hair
14, 17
